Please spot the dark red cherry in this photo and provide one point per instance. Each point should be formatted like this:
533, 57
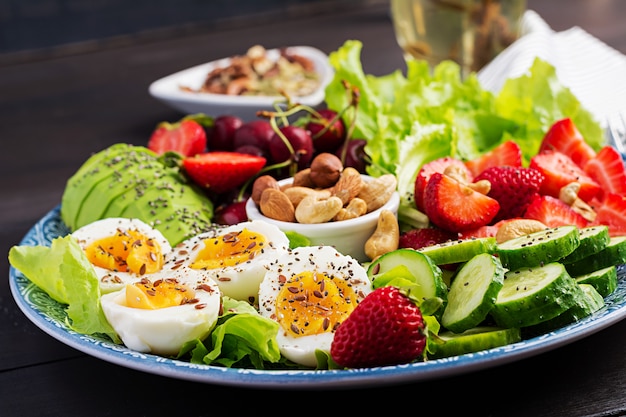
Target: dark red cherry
355, 155
328, 140
300, 141
220, 135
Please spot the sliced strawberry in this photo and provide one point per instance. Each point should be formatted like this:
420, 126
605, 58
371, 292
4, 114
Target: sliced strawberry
507, 153
607, 169
186, 137
559, 170
553, 212
386, 328
563, 136
612, 213
456, 207
438, 165
513, 187
419, 238
222, 171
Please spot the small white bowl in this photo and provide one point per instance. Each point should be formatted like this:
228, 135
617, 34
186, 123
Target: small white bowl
347, 236
168, 89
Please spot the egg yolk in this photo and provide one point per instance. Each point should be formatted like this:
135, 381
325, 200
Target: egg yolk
158, 294
126, 251
229, 249
313, 302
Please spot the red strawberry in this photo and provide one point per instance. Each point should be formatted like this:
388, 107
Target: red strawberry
456, 207
612, 213
437, 165
513, 187
563, 136
221, 171
559, 170
553, 212
607, 169
419, 238
186, 137
386, 328
507, 153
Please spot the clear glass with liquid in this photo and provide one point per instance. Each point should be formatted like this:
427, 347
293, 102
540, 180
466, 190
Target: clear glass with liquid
469, 32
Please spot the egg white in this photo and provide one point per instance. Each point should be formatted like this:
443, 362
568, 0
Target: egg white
240, 281
111, 280
316, 259
163, 331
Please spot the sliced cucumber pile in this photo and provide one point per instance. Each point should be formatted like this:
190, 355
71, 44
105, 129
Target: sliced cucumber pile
499, 293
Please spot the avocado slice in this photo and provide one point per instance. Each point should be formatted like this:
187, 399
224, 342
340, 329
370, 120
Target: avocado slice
97, 168
133, 182
131, 172
178, 210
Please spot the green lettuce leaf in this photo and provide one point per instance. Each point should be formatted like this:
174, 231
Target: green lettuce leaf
63, 271
241, 338
410, 120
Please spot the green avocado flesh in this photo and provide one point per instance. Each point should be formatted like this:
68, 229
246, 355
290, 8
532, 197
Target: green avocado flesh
133, 182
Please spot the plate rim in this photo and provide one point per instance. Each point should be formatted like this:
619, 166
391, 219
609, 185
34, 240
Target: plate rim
303, 379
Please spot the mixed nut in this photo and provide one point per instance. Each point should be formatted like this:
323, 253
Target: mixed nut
324, 192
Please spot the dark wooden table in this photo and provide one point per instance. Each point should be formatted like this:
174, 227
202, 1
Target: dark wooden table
54, 113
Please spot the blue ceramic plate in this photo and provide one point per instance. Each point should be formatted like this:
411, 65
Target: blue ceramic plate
49, 316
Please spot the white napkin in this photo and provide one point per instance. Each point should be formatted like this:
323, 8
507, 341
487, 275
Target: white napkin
594, 72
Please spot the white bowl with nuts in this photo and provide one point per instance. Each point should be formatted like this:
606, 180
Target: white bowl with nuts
345, 214
247, 83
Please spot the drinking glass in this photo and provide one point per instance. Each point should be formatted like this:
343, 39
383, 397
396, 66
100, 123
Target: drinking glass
469, 32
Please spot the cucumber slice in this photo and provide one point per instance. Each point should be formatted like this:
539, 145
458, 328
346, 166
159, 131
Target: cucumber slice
473, 293
592, 240
613, 254
532, 295
587, 303
603, 280
408, 267
457, 251
473, 340
538, 248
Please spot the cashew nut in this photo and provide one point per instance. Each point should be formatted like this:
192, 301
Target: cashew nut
569, 195
518, 227
355, 208
386, 237
314, 210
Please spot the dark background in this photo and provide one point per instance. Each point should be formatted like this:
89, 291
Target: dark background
34, 29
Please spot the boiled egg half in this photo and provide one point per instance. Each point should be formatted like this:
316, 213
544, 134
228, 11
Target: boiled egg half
310, 291
236, 256
122, 250
159, 313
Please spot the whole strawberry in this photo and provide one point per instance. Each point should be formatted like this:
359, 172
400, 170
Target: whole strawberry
513, 187
386, 328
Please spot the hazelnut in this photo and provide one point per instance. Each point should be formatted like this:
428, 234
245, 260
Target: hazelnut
326, 169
